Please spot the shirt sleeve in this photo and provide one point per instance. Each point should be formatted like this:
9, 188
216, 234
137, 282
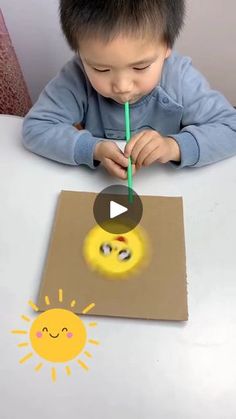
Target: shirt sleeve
48, 128
208, 132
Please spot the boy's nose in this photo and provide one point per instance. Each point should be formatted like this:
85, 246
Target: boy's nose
122, 87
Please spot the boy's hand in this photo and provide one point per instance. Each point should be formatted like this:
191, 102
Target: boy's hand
112, 158
149, 146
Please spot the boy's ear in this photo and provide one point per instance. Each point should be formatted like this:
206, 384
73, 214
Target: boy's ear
168, 52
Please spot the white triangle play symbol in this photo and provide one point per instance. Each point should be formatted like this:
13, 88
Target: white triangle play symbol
116, 209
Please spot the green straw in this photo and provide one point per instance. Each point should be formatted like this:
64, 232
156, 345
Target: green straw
128, 136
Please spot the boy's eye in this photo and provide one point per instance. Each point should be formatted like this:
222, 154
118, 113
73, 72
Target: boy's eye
143, 68
101, 71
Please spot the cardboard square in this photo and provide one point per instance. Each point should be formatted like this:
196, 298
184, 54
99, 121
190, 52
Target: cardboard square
158, 291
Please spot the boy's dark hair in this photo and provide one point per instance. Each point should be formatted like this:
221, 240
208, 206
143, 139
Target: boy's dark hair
81, 19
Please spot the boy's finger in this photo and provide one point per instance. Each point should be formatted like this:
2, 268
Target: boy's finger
119, 158
140, 147
151, 158
129, 147
143, 152
134, 169
150, 149
115, 169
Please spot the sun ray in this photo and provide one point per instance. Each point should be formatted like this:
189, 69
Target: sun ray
60, 295
38, 367
88, 354
26, 357
94, 342
83, 365
26, 318
68, 370
20, 345
72, 304
88, 308
33, 306
54, 374
47, 301
19, 332
93, 324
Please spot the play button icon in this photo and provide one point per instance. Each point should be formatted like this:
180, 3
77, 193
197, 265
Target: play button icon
115, 212
116, 209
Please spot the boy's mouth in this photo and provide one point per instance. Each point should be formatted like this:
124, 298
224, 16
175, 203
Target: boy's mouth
132, 100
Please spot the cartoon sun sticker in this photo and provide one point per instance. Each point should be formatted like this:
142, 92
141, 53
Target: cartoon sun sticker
115, 256
57, 335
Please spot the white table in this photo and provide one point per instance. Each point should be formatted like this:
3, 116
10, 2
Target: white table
142, 369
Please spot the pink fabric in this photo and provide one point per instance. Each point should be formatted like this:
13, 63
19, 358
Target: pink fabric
14, 96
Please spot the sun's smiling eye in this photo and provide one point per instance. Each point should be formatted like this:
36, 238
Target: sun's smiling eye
45, 329
124, 254
105, 249
64, 329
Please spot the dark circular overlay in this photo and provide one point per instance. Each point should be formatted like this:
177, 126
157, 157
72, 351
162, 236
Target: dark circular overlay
118, 196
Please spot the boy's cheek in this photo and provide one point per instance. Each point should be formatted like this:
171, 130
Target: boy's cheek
100, 85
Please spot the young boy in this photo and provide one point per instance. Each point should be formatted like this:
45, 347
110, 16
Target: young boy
123, 52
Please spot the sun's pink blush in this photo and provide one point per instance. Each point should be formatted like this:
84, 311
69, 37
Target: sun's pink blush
69, 335
39, 334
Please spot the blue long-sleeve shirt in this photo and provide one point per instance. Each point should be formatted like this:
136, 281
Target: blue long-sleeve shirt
182, 106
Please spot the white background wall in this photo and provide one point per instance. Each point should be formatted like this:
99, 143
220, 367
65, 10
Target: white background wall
209, 38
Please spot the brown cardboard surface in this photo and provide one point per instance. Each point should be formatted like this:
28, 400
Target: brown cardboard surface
158, 291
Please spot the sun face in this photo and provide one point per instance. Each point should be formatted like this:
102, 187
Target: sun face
57, 335
116, 256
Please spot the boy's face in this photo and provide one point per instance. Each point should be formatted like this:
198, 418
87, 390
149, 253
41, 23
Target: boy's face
126, 68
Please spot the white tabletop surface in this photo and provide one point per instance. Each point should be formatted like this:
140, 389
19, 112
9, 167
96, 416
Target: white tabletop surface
141, 369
